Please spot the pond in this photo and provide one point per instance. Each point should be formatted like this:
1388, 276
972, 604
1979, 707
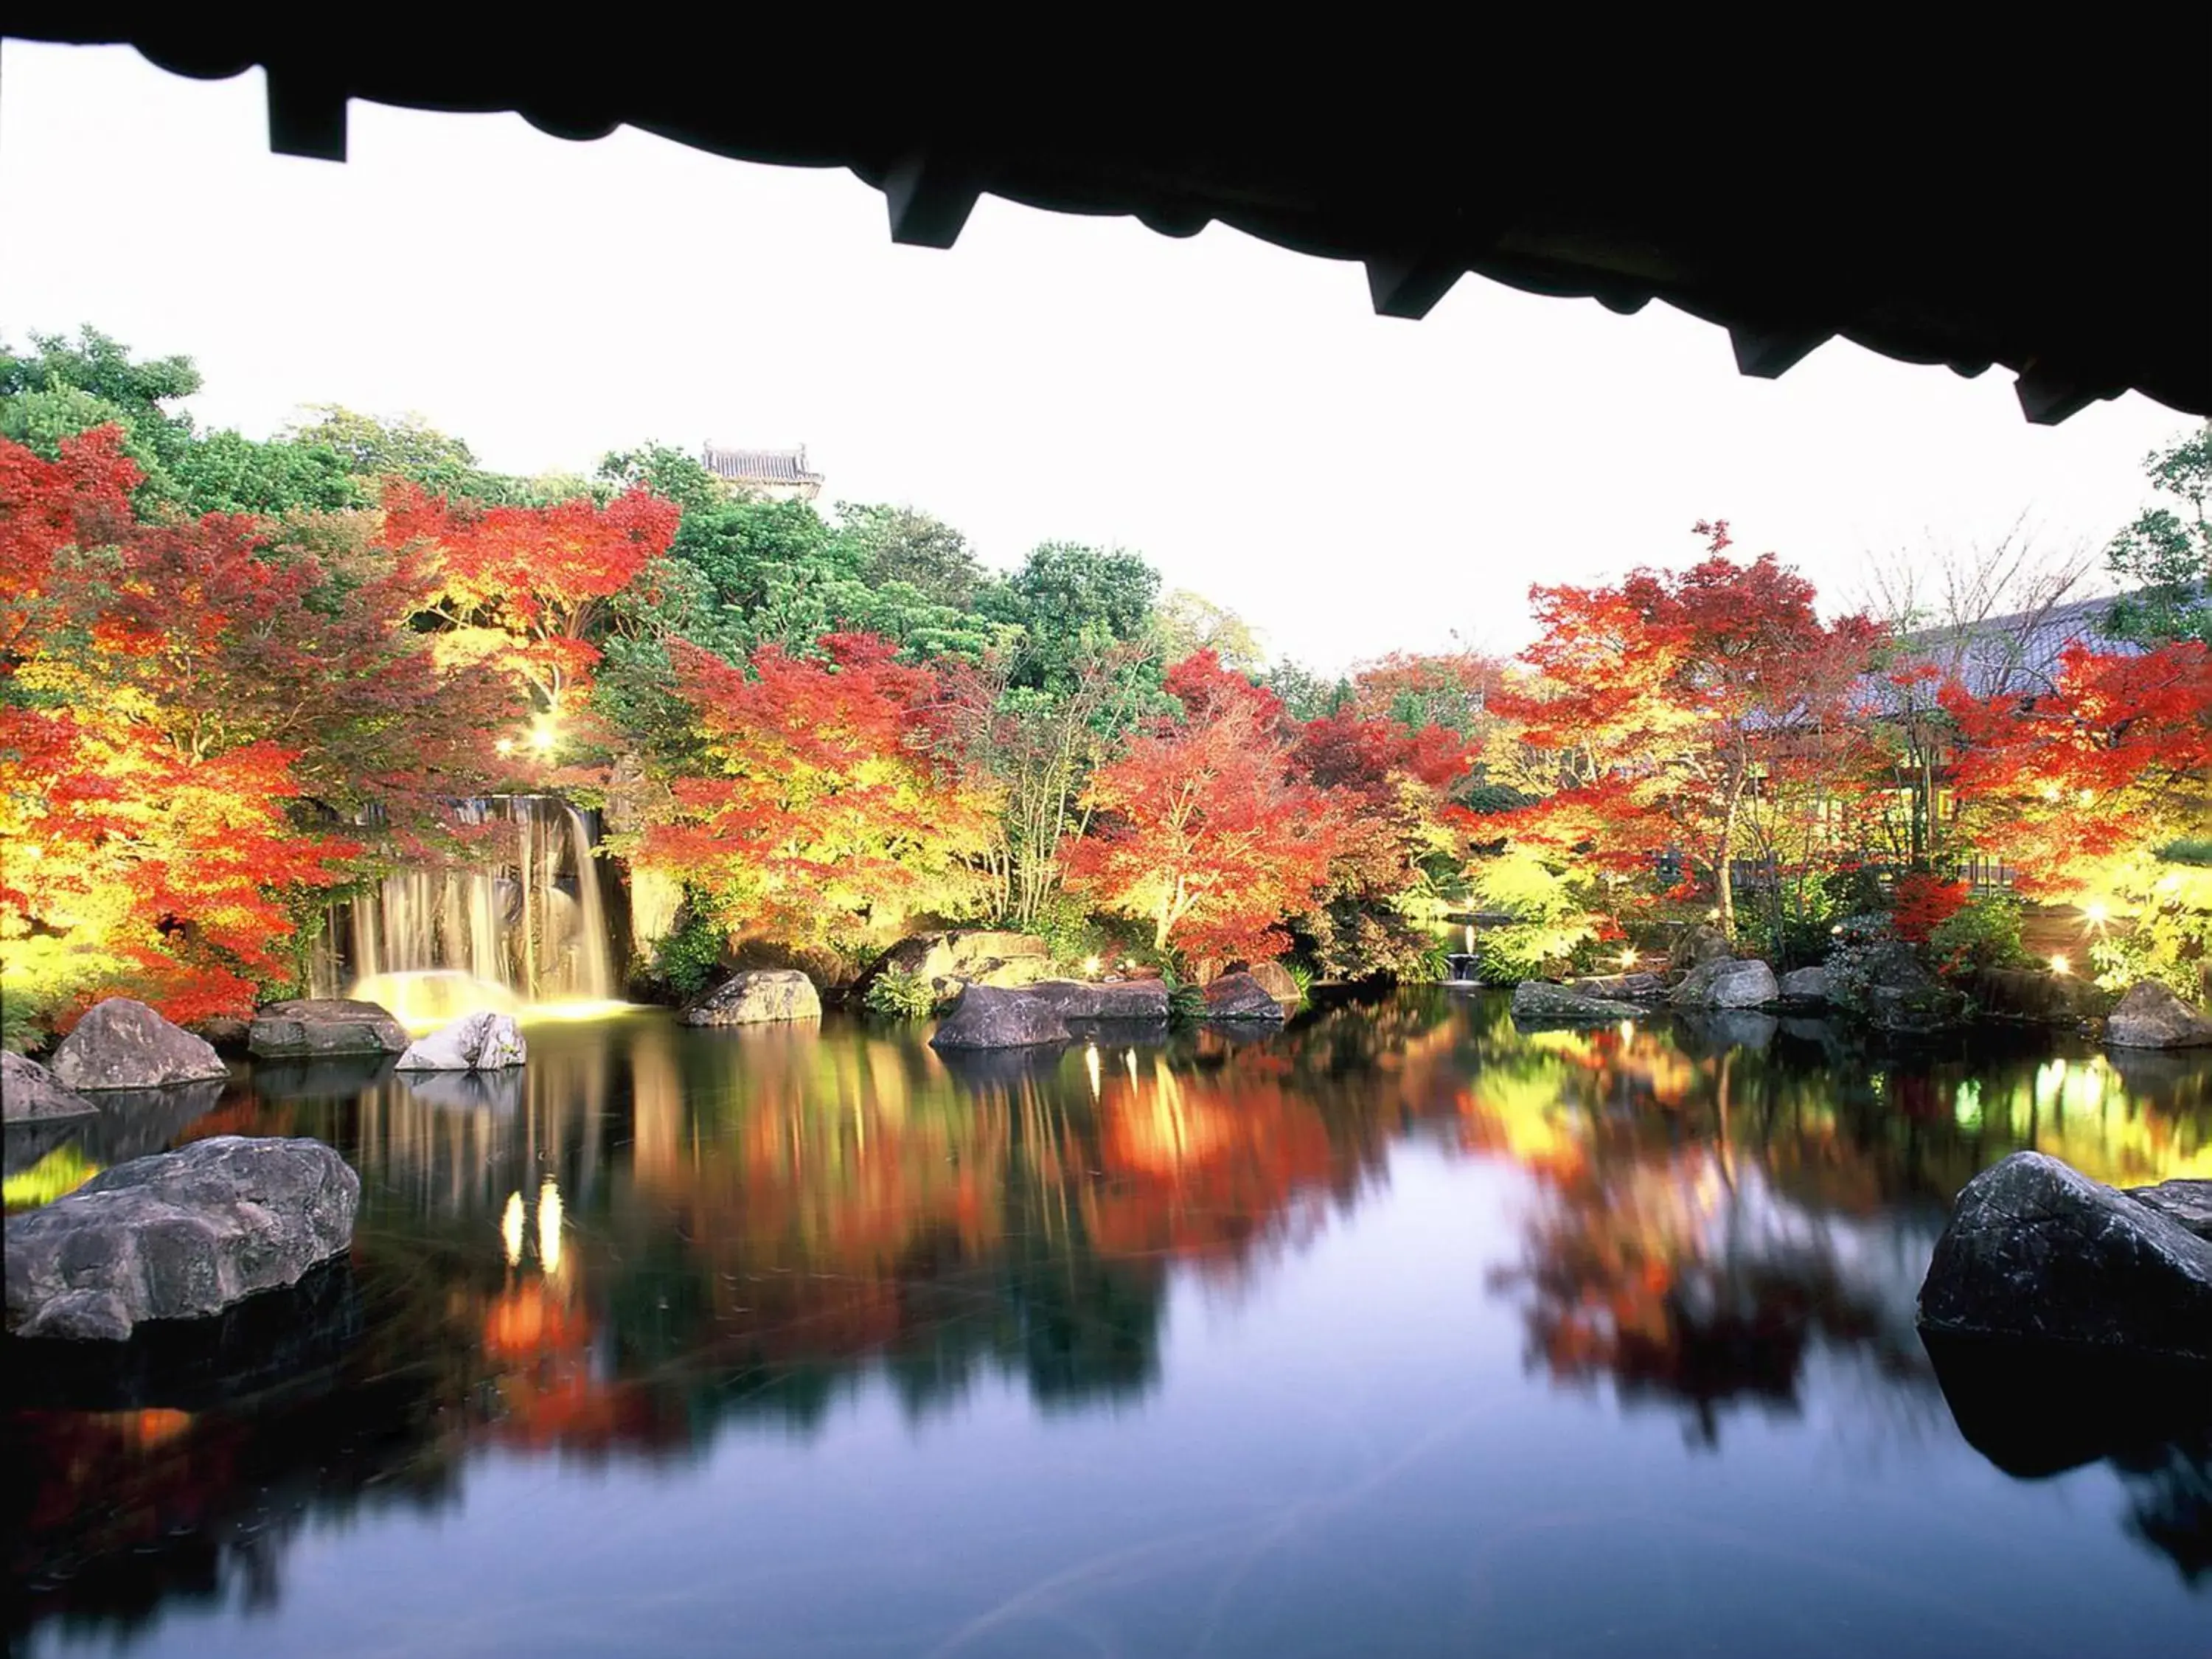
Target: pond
1401, 1332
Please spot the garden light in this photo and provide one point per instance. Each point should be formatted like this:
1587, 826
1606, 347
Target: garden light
2060, 966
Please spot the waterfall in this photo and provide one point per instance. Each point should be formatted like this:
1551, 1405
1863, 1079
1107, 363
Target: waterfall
526, 923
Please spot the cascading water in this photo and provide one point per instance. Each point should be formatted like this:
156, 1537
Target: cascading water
527, 925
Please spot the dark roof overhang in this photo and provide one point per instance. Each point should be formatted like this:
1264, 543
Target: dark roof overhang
1937, 188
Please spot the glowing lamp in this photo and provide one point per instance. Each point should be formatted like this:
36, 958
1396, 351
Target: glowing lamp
542, 735
2096, 913
504, 746
1628, 958
1091, 965
2060, 965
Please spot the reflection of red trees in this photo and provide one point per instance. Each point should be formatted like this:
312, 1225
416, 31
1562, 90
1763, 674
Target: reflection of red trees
1203, 1165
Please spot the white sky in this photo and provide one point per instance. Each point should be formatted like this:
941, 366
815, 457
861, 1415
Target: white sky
1349, 483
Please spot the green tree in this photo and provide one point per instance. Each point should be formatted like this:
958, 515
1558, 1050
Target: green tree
900, 544
2167, 555
671, 473
224, 472
97, 366
1072, 603
1188, 622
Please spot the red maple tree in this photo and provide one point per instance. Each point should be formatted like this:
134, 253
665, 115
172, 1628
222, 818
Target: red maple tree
1665, 699
522, 586
819, 800
1203, 829
2117, 758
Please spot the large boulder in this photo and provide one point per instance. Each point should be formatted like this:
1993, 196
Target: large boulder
758, 997
1539, 1001
1276, 981
180, 1235
1807, 988
1727, 982
1240, 996
1115, 999
2037, 1252
30, 1093
2151, 1017
2034, 995
481, 1042
1886, 983
989, 1018
2189, 1202
121, 1044
1622, 988
317, 1026
1700, 944
976, 955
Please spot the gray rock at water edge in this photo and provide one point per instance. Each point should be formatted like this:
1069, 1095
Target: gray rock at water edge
1132, 999
1276, 981
29, 1093
2189, 1202
2036, 1252
949, 962
986, 1017
2152, 1016
759, 997
1886, 983
1806, 987
180, 1235
317, 1026
121, 1044
1240, 996
2034, 995
481, 1042
1622, 988
1726, 982
1539, 1000
1700, 944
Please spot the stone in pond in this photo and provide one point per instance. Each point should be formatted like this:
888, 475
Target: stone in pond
481, 1042
1145, 999
29, 1093
315, 1026
1803, 986
121, 1044
989, 1018
2151, 1017
180, 1235
1538, 1000
1726, 982
1240, 996
760, 997
2037, 1252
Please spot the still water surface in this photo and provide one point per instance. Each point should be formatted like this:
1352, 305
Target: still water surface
1399, 1333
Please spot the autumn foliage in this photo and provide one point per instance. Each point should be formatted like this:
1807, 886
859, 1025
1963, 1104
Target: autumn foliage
1204, 832
522, 586
1664, 700
819, 799
145, 773
2117, 758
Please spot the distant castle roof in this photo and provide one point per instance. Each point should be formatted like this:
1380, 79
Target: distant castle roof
784, 467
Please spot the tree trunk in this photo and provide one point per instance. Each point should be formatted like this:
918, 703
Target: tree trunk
1723, 872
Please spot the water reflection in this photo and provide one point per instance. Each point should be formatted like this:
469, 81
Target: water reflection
650, 1235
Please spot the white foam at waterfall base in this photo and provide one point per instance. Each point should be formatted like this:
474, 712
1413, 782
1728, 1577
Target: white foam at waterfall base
522, 930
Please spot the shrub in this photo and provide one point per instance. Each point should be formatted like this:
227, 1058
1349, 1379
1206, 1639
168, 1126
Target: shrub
1186, 1001
895, 993
686, 957
1983, 933
1924, 903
